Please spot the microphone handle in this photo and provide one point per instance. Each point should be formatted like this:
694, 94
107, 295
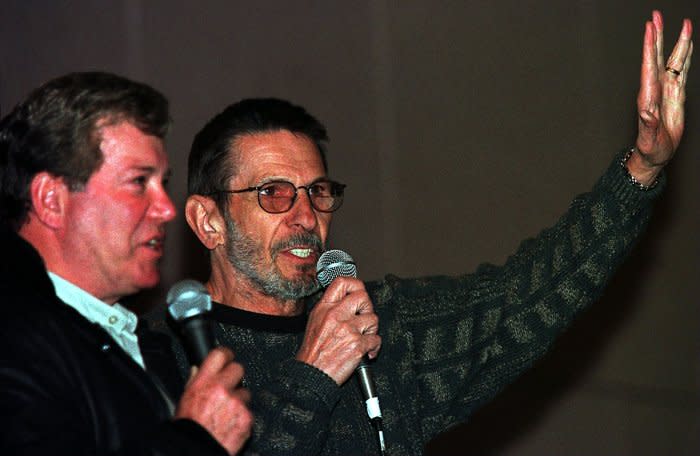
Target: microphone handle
364, 376
198, 338
369, 392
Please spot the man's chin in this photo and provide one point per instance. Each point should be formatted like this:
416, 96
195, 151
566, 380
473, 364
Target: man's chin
297, 275
293, 289
146, 280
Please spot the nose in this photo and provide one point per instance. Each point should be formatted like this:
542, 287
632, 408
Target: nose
302, 213
162, 206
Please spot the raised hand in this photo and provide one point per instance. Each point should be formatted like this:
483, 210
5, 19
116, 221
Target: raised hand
660, 100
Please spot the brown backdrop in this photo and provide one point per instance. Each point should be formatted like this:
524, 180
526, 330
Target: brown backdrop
460, 128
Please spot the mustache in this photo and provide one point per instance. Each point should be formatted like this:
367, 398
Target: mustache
306, 239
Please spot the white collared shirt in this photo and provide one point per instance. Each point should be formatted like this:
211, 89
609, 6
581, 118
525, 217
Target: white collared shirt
117, 320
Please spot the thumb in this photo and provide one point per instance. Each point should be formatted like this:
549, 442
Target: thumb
648, 119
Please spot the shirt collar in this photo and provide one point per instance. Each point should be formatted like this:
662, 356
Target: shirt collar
115, 316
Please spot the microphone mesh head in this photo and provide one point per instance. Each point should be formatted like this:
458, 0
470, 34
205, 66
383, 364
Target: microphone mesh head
186, 299
334, 263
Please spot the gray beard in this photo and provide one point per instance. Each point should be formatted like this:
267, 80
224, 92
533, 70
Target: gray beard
245, 255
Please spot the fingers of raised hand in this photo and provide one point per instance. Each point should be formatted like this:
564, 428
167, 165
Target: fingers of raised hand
678, 64
657, 24
673, 81
662, 92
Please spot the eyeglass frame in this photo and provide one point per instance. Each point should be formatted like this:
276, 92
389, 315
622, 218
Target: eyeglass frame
335, 185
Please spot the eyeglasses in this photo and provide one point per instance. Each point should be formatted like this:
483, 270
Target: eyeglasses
276, 197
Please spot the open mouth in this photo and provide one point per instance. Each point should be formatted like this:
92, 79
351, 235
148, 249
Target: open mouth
301, 253
302, 247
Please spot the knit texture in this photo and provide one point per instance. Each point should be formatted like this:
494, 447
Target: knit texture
449, 344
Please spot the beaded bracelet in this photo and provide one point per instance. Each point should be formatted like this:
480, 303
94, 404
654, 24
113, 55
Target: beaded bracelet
633, 180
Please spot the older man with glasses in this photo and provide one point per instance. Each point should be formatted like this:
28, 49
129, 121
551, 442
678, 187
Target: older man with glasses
448, 344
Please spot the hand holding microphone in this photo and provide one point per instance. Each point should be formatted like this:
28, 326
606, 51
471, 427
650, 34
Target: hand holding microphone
213, 396
342, 328
331, 268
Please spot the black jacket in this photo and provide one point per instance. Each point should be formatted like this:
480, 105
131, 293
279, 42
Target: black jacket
67, 388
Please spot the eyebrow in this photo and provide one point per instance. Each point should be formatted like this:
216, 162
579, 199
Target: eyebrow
267, 180
153, 170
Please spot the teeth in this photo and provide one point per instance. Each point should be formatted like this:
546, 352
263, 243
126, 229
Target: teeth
301, 253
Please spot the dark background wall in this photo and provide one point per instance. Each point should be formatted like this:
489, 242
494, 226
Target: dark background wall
460, 128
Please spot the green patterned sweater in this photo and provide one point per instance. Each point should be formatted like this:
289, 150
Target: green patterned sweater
449, 344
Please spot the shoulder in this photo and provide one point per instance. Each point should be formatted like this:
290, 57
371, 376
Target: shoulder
395, 290
36, 322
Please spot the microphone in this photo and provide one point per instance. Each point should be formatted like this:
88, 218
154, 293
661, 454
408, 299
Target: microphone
189, 303
336, 263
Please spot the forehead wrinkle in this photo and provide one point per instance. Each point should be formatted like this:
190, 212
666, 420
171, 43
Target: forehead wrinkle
274, 152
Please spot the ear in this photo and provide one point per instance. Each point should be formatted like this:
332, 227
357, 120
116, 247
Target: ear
206, 221
49, 195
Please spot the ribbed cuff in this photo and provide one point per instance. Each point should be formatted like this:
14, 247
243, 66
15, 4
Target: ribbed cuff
619, 185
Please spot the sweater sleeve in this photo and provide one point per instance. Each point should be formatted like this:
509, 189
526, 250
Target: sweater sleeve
472, 335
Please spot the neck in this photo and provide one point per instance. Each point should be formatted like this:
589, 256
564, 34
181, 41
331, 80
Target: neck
68, 261
231, 288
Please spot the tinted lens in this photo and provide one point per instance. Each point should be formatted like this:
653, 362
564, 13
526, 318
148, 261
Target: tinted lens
326, 196
277, 197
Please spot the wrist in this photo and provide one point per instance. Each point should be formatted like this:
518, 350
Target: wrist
639, 173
